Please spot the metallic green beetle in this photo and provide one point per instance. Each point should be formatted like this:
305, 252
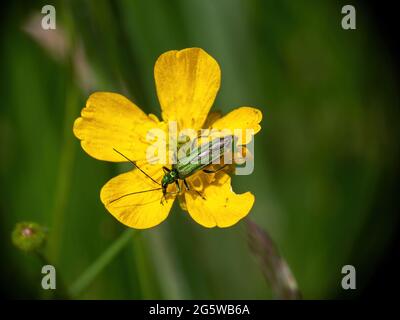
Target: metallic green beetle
198, 159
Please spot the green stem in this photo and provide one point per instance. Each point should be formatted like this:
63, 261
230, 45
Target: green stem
64, 181
143, 269
173, 285
64, 175
68, 150
98, 265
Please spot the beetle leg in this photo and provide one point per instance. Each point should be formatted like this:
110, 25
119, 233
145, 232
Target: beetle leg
170, 193
187, 188
186, 184
175, 192
166, 170
178, 186
214, 171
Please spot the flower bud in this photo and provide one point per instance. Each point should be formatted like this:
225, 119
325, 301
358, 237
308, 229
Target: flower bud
28, 236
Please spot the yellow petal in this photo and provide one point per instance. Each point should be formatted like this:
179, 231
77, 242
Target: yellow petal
109, 121
221, 206
139, 211
238, 120
211, 118
187, 82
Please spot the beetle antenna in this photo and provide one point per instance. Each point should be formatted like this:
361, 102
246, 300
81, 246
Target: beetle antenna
133, 162
129, 194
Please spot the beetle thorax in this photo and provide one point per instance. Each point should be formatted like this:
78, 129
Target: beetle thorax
169, 178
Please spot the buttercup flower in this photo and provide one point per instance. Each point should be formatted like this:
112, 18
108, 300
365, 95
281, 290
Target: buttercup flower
187, 82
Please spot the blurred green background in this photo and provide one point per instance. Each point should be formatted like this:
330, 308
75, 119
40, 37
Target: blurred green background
325, 159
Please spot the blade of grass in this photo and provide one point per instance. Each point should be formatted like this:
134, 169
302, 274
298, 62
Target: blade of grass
102, 261
64, 178
60, 47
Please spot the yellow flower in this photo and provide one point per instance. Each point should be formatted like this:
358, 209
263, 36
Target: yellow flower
187, 82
